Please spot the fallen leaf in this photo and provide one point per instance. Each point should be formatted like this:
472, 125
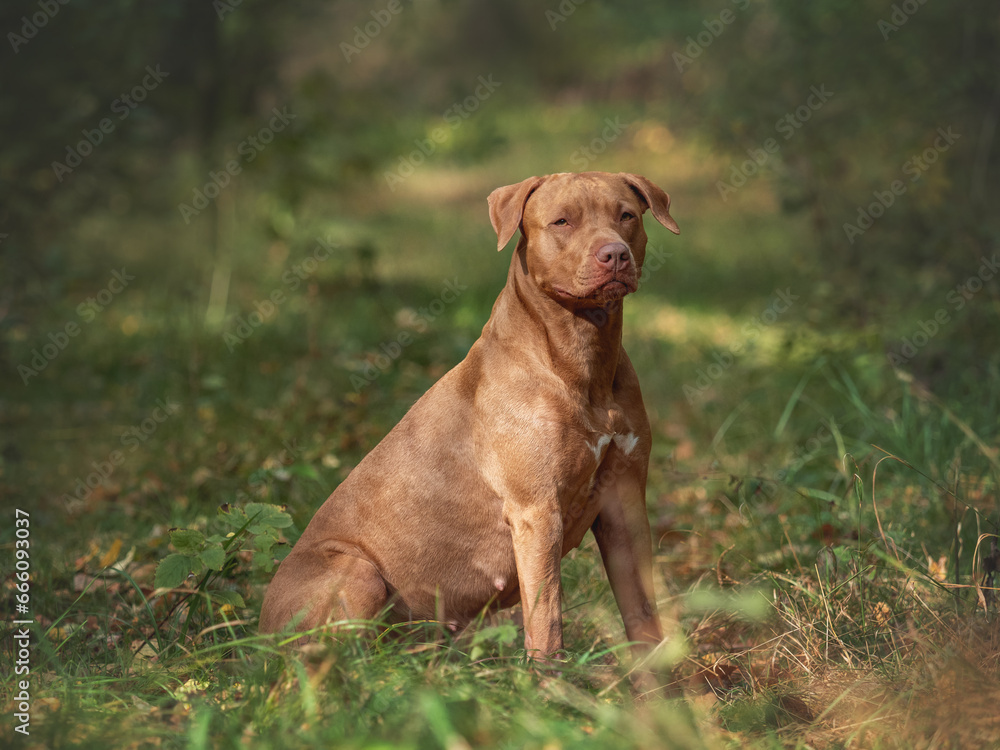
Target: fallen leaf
938, 569
882, 613
81, 581
111, 555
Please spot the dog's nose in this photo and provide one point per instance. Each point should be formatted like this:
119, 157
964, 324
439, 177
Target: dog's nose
615, 256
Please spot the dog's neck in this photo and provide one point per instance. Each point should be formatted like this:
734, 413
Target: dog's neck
583, 345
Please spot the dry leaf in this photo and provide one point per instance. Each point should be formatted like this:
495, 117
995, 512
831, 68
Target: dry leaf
111, 555
882, 613
938, 569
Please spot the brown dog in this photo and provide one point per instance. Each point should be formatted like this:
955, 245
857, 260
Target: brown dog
472, 500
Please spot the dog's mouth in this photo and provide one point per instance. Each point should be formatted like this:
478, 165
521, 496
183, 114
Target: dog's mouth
609, 290
613, 287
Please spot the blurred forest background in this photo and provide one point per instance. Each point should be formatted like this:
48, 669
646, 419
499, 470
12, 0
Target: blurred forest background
217, 219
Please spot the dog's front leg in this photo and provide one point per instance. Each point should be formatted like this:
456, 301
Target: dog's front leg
622, 533
538, 536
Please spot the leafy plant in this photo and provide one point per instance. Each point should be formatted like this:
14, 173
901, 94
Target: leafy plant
256, 529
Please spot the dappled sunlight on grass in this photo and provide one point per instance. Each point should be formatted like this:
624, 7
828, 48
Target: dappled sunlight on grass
801, 598
693, 331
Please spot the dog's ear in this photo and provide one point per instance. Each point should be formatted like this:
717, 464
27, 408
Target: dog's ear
657, 201
507, 208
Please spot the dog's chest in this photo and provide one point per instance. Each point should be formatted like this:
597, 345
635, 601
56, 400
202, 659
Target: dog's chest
602, 429
600, 461
624, 441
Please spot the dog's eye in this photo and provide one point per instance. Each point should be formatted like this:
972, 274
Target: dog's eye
626, 216
560, 223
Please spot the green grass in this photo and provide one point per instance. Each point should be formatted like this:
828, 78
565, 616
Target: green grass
796, 502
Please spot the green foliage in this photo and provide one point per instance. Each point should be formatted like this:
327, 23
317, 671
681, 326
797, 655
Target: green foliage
823, 511
887, 106
256, 529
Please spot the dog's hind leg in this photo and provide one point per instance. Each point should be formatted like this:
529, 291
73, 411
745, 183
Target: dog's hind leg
320, 588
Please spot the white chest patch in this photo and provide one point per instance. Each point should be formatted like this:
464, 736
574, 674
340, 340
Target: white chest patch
601, 448
626, 443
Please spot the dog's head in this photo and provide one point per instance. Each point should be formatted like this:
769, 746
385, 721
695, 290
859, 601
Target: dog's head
582, 237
